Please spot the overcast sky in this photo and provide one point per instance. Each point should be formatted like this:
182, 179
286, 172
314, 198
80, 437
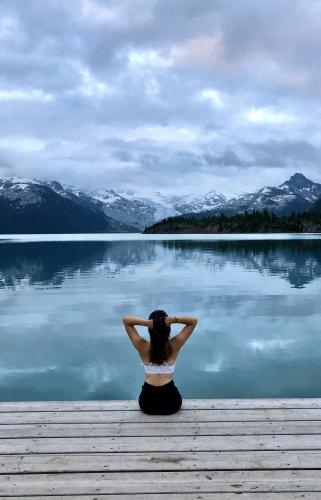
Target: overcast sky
182, 96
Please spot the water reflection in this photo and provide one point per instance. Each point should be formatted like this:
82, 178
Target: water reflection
51, 263
297, 261
257, 302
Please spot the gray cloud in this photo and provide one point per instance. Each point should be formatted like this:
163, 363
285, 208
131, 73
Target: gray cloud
6, 168
184, 94
282, 153
226, 159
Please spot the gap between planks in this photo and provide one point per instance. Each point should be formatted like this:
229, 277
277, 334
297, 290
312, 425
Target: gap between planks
185, 496
190, 416
61, 430
132, 405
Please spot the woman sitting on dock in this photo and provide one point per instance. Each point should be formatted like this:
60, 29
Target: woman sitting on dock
159, 394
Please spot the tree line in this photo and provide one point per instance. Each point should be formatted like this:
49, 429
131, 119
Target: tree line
246, 222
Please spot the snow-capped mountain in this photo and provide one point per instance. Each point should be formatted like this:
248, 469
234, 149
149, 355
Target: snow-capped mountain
270, 198
210, 200
130, 208
145, 209
296, 194
125, 206
51, 206
299, 184
37, 206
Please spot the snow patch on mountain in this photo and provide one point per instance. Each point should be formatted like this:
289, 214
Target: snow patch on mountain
141, 209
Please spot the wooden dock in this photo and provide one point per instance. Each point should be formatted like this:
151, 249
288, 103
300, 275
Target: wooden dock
211, 449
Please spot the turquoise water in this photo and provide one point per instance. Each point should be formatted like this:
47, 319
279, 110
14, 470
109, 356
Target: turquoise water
62, 301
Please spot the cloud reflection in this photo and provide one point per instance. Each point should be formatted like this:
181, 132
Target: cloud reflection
257, 303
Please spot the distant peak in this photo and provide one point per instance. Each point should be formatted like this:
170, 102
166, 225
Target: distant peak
56, 185
265, 189
298, 177
298, 180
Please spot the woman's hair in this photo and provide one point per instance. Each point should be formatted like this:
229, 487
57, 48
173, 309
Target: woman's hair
160, 349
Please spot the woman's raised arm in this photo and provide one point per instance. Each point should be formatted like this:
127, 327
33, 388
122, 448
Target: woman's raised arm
190, 322
129, 324
185, 320
134, 320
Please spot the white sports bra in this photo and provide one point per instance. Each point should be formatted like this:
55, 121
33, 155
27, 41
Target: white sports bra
159, 368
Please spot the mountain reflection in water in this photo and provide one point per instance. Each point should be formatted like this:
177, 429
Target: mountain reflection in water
257, 302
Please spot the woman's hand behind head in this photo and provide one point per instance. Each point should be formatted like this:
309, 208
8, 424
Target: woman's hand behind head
169, 320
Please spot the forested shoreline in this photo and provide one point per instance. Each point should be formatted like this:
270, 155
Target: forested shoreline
247, 222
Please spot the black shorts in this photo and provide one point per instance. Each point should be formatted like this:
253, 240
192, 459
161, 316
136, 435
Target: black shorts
160, 399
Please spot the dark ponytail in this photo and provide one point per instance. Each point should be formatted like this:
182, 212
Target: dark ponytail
160, 349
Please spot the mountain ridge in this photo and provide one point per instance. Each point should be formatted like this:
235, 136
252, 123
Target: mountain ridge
36, 207
111, 210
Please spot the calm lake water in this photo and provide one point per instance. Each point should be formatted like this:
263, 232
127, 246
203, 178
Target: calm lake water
62, 299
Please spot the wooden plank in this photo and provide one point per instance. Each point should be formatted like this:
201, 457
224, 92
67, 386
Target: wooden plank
149, 444
158, 429
157, 461
95, 450
181, 416
162, 483
202, 404
302, 495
